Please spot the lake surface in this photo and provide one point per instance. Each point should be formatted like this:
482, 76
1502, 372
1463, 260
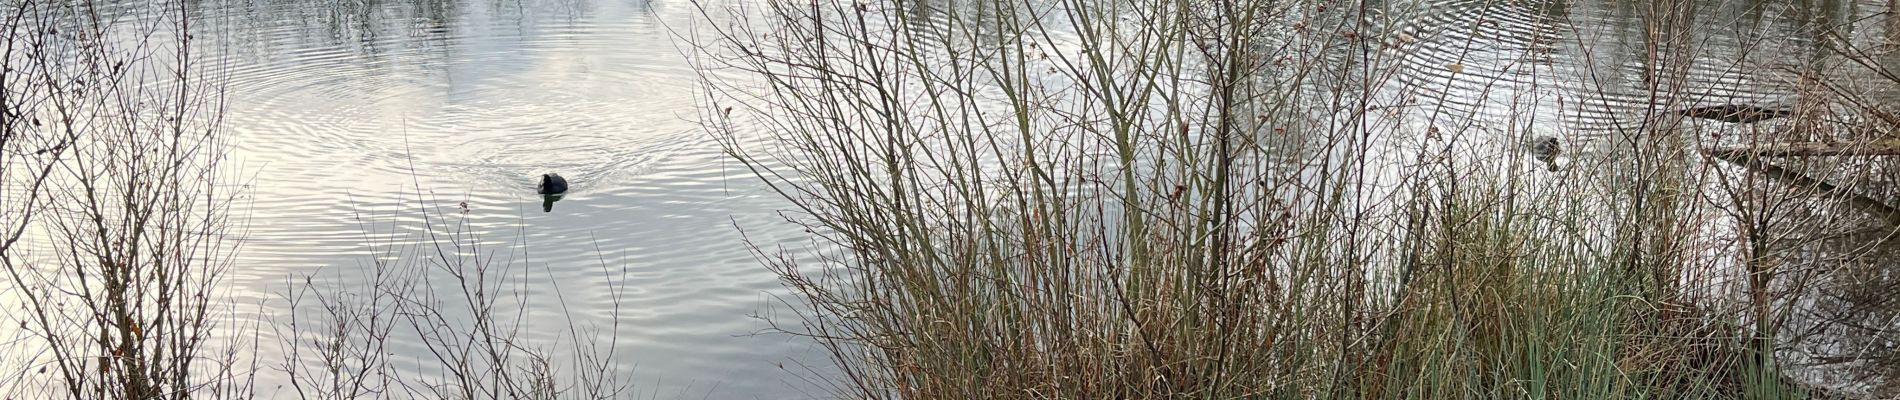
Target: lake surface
342, 111
351, 118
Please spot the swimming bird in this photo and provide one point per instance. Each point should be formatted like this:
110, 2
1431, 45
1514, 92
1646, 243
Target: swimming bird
552, 187
1546, 149
552, 184
1735, 113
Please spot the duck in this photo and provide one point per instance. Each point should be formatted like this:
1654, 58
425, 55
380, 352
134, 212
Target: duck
1735, 113
552, 184
1546, 149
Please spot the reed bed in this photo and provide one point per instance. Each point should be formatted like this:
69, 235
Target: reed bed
1179, 199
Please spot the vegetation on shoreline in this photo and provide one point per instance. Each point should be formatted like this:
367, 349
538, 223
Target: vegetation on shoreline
1065, 199
115, 235
1162, 199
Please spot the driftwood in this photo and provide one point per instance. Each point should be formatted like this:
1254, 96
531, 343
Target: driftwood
1750, 157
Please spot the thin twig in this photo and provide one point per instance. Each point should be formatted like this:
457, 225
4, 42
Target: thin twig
1873, 206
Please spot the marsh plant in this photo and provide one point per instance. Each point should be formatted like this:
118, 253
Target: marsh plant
1239, 199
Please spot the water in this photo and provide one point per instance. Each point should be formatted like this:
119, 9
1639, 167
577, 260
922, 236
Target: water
350, 118
342, 111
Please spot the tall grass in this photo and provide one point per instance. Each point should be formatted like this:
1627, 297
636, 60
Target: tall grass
1145, 199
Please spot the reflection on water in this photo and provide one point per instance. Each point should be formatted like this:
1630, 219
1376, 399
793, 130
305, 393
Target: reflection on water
1585, 67
1603, 78
347, 112
354, 115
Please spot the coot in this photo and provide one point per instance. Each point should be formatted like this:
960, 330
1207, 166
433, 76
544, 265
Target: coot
552, 184
1546, 149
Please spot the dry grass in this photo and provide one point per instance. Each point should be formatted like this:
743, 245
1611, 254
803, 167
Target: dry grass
1173, 199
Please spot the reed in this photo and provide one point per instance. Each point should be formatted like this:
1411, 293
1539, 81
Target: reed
1175, 199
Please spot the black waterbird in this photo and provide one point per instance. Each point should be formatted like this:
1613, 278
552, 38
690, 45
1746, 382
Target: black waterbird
552, 187
552, 184
1546, 149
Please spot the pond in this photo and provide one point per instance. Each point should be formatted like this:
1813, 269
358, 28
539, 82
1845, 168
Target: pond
365, 129
342, 112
